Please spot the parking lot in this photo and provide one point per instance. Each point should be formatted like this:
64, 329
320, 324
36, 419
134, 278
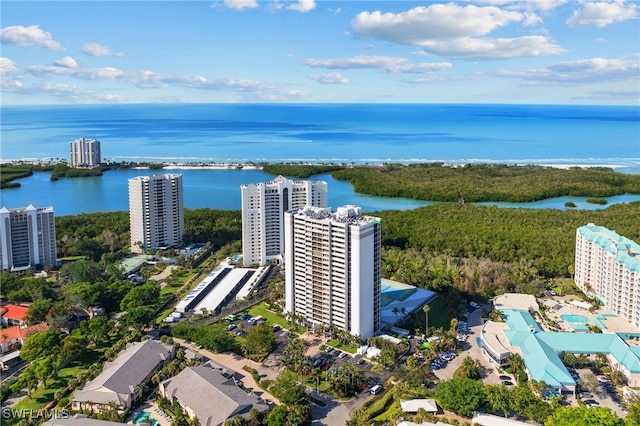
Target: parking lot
605, 395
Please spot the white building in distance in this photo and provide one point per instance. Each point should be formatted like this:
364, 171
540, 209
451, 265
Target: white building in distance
607, 267
156, 212
85, 153
27, 237
332, 273
263, 207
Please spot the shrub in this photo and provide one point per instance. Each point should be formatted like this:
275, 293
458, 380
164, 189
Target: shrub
264, 384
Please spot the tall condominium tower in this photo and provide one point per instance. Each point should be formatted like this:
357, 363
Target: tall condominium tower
85, 153
608, 267
27, 237
332, 273
156, 212
263, 207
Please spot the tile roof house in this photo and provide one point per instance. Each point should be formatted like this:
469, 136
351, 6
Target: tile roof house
11, 315
210, 393
119, 379
12, 338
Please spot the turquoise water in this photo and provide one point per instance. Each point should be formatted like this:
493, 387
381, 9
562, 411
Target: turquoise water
145, 417
575, 318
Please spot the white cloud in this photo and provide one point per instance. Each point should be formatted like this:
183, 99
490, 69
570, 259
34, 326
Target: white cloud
302, 6
598, 66
544, 5
354, 62
450, 30
603, 13
66, 62
424, 67
493, 48
580, 71
107, 73
73, 93
8, 67
329, 78
19, 35
241, 4
95, 49
438, 21
392, 64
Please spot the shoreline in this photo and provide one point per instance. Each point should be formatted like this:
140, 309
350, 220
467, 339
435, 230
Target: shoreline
200, 165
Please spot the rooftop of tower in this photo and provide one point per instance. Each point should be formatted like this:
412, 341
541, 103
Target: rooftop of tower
349, 214
627, 252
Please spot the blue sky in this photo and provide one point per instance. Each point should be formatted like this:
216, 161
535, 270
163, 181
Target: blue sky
481, 51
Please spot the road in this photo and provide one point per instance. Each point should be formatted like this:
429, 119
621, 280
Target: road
488, 372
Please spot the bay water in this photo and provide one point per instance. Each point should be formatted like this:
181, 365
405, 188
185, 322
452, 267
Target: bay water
557, 135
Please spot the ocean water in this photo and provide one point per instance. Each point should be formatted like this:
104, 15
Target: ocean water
358, 133
345, 133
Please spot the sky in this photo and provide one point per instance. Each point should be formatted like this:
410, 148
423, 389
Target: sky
239, 51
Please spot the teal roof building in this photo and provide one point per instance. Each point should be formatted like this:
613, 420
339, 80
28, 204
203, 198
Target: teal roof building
542, 350
607, 267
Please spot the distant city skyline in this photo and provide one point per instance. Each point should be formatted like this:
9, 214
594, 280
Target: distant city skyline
234, 51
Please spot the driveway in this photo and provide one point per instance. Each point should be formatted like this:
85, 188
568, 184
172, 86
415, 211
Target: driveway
488, 372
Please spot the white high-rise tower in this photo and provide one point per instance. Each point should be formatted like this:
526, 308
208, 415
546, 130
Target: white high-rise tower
27, 237
85, 153
156, 212
263, 207
332, 273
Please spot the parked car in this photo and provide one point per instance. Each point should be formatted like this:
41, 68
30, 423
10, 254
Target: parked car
590, 402
342, 355
360, 361
584, 395
231, 326
504, 377
507, 382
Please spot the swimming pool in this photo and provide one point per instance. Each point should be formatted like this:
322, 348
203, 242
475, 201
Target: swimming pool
145, 418
575, 318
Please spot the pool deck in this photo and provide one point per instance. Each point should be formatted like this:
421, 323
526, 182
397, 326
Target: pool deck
151, 408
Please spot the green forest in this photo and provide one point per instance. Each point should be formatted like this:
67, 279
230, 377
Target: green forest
487, 182
472, 182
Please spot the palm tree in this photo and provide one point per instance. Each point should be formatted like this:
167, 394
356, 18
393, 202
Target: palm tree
395, 311
426, 308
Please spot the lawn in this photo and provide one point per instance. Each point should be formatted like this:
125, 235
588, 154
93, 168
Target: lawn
271, 317
346, 348
43, 395
439, 316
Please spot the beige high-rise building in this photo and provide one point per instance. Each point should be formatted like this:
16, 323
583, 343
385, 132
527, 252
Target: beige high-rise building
27, 238
332, 273
607, 267
85, 153
156, 212
263, 207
